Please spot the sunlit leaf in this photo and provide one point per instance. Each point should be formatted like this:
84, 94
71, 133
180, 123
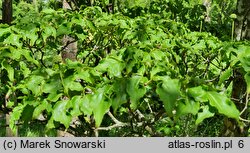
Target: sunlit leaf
72, 84
15, 116
198, 94
85, 105
9, 69
75, 103
112, 65
40, 108
120, 96
168, 91
223, 104
225, 75
60, 114
100, 105
14, 40
34, 84
189, 106
136, 89
247, 78
203, 115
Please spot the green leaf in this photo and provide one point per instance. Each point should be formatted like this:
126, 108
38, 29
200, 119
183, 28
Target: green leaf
129, 35
40, 108
120, 96
123, 24
48, 31
225, 75
81, 37
27, 113
155, 70
84, 75
53, 86
158, 54
50, 72
70, 83
73, 64
34, 84
28, 57
85, 106
189, 106
203, 115
247, 78
90, 25
199, 46
223, 104
80, 22
244, 56
23, 89
13, 39
26, 71
48, 11
136, 89
15, 116
75, 103
60, 114
197, 93
15, 53
100, 105
4, 31
50, 124
141, 70
9, 69
53, 96
32, 35
111, 65
168, 91
63, 29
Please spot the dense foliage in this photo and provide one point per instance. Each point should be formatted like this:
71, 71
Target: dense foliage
156, 69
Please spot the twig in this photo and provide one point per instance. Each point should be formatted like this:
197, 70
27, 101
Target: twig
90, 52
150, 109
117, 124
211, 80
245, 120
236, 100
112, 126
140, 114
246, 105
96, 132
66, 45
113, 118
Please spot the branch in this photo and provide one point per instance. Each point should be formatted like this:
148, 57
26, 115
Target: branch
96, 132
71, 7
90, 52
113, 118
246, 105
140, 114
116, 125
211, 80
67, 44
244, 120
113, 126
